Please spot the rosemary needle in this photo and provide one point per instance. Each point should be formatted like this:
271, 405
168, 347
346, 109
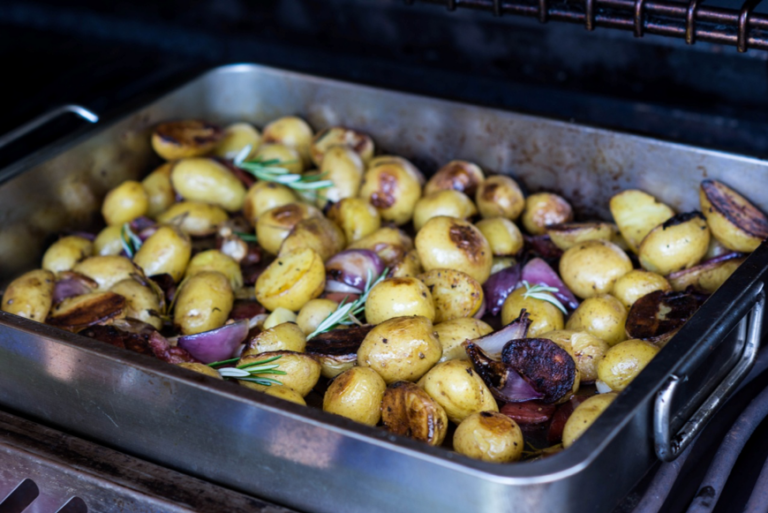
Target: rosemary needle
130, 241
543, 292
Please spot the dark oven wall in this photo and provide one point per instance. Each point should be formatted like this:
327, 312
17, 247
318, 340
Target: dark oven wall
105, 53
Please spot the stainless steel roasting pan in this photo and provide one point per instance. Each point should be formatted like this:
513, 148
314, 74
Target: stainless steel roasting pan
315, 461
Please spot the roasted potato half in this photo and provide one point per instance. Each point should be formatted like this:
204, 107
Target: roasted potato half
317, 233
237, 137
142, 303
283, 337
706, 277
301, 371
636, 284
125, 203
182, 139
165, 251
502, 234
274, 226
356, 217
30, 295
63, 254
584, 416
291, 131
291, 280
603, 316
393, 189
159, 189
567, 235
678, 243
207, 181
637, 213
264, 196
344, 167
544, 315
203, 303
281, 155
455, 294
408, 267
623, 362
109, 241
733, 220
356, 394
194, 218
442, 203
397, 297
456, 387
106, 270
215, 260
489, 436
407, 410
453, 333
592, 268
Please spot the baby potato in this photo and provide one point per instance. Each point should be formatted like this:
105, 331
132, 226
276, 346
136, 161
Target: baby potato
356, 394
109, 241
623, 362
458, 389
106, 270
291, 131
283, 337
263, 196
584, 415
400, 349
636, 284
408, 267
125, 203
287, 157
603, 316
567, 235
502, 234
159, 189
274, 226
500, 196
165, 251
733, 219
407, 410
345, 169
207, 181
586, 350
324, 139
76, 313
30, 295
394, 160
279, 316
203, 303
141, 302
543, 210
301, 371
390, 244
291, 281
317, 233
442, 203
453, 333
63, 254
393, 190
455, 294
201, 368
396, 297
450, 243
237, 136
489, 436
637, 213
194, 218
313, 313
544, 315
707, 277
457, 175
215, 260
356, 217
182, 139
679, 243
285, 393
592, 268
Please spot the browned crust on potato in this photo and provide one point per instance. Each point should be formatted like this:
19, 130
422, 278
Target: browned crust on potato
288, 215
407, 410
341, 344
384, 197
467, 239
192, 132
98, 309
548, 367
745, 216
456, 176
681, 219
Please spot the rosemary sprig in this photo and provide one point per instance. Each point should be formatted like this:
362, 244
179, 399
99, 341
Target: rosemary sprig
273, 170
247, 237
251, 371
130, 241
347, 313
543, 292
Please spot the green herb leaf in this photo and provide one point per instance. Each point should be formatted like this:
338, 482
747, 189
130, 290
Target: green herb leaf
252, 371
273, 170
247, 237
130, 241
543, 293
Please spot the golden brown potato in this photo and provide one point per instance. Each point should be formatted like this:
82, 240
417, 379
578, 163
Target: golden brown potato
636, 284
450, 243
165, 251
281, 155
324, 139
264, 196
279, 316
194, 218
30, 295
182, 139
356, 394
356, 217
390, 244
273, 226
489, 436
455, 294
291, 281
203, 303
63, 254
454, 332
408, 267
734, 221
442, 203
584, 416
200, 368
207, 181
500, 196
301, 371
502, 234
106, 270
637, 213
285, 393
291, 131
76, 313
407, 410
283, 337
706, 277
125, 203
393, 160
400, 349
623, 362
215, 260
345, 169
108, 241
393, 190
237, 137
544, 315
159, 189
543, 210
313, 313
317, 233
592, 268
567, 235
458, 175
141, 302
679, 243
458, 389
603, 316
396, 297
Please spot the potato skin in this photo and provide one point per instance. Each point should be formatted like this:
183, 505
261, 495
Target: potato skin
679, 243
543, 210
302, 371
317, 233
586, 350
356, 217
200, 368
159, 189
637, 213
215, 260
165, 251
408, 267
500, 196
623, 362
291, 281
207, 181
733, 220
450, 243
345, 169
187, 138
125, 203
391, 244
489, 436
356, 394
584, 416
392, 190
457, 175
313, 313
407, 410
63, 254
274, 225
400, 349
264, 196
108, 241
283, 337
592, 268
442, 203
453, 333
544, 316
203, 303
106, 270
324, 139
236, 137
291, 131
30, 295
458, 389
285, 393
603, 316
288, 157
194, 218
455, 294
141, 302
502, 234
567, 235
396, 297
636, 284
705, 278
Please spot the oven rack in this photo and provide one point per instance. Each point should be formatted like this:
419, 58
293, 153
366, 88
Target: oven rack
691, 20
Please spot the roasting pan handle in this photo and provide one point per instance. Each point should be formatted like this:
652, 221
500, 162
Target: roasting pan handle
669, 445
41, 120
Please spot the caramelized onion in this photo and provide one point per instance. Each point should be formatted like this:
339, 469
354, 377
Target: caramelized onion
215, 345
349, 270
505, 383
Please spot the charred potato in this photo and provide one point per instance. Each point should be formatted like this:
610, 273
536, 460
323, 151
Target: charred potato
390, 244
637, 283
733, 220
237, 137
356, 394
207, 181
203, 303
453, 333
592, 268
442, 203
637, 213
450, 243
393, 190
283, 337
291, 281
544, 315
356, 217
567, 235
291, 131
324, 139
215, 260
407, 410
623, 362
63, 254
141, 302
182, 139
456, 387
584, 416
125, 203
603, 316
489, 436
301, 371
284, 156
313, 313
317, 233
274, 226
396, 297
457, 175
165, 251
30, 295
345, 169
455, 294
159, 189
500, 196
106, 270
79, 312
194, 218
502, 234
543, 210
679, 243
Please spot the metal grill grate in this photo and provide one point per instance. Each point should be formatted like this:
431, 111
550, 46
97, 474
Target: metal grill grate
691, 20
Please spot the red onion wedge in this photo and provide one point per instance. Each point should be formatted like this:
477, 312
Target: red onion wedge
216, 345
72, 284
503, 381
349, 270
538, 272
493, 343
500, 285
543, 246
